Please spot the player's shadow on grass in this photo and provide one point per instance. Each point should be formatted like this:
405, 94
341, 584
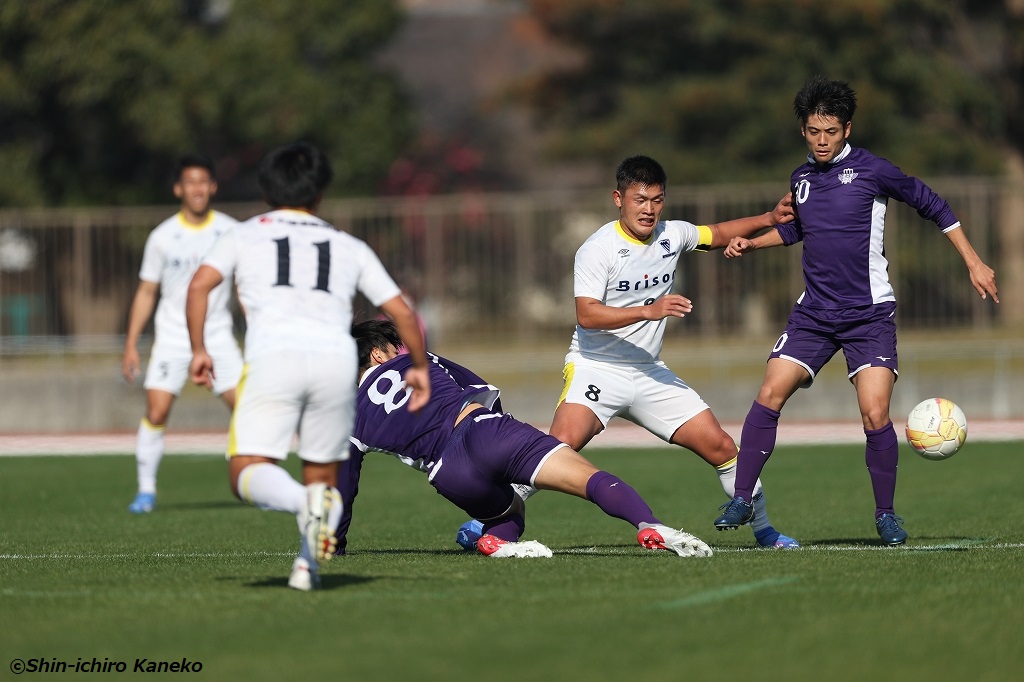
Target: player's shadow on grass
937, 544
418, 550
600, 550
844, 542
327, 582
203, 506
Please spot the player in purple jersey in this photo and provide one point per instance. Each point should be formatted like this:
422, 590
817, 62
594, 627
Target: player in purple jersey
473, 454
840, 198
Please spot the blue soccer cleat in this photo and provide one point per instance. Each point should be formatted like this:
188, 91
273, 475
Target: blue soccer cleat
143, 503
469, 533
889, 530
737, 513
769, 537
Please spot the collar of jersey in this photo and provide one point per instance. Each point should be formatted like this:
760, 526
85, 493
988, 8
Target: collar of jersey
194, 226
630, 238
839, 157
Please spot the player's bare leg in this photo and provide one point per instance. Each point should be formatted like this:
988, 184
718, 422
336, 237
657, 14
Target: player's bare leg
575, 425
569, 472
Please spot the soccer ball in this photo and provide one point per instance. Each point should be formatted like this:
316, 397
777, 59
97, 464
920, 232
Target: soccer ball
936, 428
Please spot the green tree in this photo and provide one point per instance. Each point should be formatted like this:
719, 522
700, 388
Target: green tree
97, 98
707, 87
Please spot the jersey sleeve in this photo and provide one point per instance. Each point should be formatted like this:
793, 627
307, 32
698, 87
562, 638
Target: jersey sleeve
152, 259
590, 272
223, 255
691, 237
791, 233
348, 486
704, 238
374, 281
916, 194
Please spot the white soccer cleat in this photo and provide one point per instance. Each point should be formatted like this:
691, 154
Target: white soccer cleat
495, 547
303, 576
657, 536
315, 522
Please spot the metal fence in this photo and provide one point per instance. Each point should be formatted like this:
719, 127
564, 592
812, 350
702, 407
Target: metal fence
491, 267
494, 271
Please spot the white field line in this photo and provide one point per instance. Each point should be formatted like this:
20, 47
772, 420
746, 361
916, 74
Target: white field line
971, 545
619, 435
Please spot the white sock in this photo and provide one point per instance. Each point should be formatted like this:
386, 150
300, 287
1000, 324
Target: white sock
333, 518
268, 486
727, 477
149, 450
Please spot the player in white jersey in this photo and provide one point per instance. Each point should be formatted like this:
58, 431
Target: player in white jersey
172, 253
296, 277
624, 281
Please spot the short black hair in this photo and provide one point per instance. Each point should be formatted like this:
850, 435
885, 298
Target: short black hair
826, 98
374, 334
193, 160
639, 170
294, 175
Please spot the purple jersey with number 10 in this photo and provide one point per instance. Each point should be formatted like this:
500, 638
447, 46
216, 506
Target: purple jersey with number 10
414, 438
840, 218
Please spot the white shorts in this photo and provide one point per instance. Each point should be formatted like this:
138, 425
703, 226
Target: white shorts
650, 395
168, 367
311, 395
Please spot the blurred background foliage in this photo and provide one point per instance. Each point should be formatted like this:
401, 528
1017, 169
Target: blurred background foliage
97, 98
711, 84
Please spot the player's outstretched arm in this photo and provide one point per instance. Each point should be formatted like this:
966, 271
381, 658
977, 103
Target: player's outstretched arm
722, 234
592, 314
143, 304
741, 245
983, 278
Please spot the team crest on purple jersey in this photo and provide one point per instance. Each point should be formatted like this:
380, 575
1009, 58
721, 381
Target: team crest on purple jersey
847, 176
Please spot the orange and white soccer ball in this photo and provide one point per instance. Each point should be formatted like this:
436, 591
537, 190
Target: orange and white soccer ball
936, 428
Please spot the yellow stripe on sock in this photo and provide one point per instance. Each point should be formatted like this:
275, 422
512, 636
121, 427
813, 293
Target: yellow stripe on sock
727, 464
243, 481
146, 424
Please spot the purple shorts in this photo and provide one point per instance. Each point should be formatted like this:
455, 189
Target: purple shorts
867, 336
487, 452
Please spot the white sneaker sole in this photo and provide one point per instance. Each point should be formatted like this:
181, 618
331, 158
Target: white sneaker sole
529, 549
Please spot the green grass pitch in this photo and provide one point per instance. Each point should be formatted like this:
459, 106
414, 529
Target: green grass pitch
203, 577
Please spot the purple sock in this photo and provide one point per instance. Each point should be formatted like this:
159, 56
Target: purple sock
509, 528
882, 457
757, 441
618, 499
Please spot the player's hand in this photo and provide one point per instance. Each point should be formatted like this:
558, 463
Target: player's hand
418, 379
130, 365
738, 246
984, 280
783, 211
200, 370
670, 305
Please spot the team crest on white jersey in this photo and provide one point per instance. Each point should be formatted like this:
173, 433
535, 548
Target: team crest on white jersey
623, 253
847, 176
